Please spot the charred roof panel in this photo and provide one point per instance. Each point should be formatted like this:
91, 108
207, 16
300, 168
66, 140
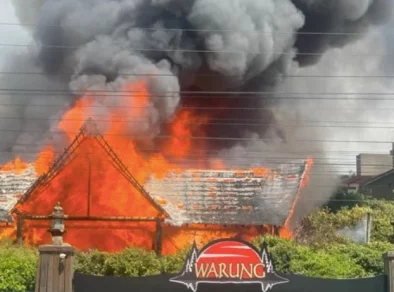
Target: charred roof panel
242, 197
247, 197
12, 186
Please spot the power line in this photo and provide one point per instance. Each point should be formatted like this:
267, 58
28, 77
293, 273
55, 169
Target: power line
196, 107
205, 154
262, 164
186, 166
211, 75
211, 124
267, 159
161, 137
234, 121
195, 51
192, 154
199, 92
210, 94
207, 30
218, 152
265, 162
63, 106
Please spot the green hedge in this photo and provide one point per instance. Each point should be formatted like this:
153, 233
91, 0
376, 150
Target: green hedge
335, 261
320, 228
18, 265
319, 252
131, 262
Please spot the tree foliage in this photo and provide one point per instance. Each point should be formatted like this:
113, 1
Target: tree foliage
321, 227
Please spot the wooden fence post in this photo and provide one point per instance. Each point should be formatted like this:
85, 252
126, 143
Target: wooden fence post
55, 266
389, 268
19, 229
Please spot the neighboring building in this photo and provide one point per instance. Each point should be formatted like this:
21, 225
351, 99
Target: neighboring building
381, 186
355, 183
373, 164
371, 168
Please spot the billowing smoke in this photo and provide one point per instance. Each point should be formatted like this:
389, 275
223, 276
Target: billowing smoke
231, 47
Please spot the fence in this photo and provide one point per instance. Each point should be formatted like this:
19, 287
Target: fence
55, 274
84, 283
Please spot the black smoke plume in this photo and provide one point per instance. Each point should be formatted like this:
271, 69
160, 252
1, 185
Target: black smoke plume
192, 53
193, 45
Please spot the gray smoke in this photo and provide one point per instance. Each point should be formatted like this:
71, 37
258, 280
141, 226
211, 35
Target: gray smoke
350, 18
194, 45
247, 44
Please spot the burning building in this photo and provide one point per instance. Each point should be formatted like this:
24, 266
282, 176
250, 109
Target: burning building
109, 209
172, 85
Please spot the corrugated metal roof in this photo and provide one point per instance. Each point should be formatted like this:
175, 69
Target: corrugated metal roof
244, 197
12, 186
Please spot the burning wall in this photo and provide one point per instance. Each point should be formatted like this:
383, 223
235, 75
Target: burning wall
93, 184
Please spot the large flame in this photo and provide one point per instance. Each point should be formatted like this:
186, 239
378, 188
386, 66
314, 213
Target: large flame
286, 231
17, 165
91, 184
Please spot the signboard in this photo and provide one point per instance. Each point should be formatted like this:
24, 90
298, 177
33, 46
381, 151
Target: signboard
229, 261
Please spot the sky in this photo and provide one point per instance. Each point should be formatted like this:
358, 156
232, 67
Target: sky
10, 34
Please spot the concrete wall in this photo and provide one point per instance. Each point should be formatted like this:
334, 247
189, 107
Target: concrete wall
373, 164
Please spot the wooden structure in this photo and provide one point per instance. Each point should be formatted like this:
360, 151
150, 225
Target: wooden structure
151, 217
164, 214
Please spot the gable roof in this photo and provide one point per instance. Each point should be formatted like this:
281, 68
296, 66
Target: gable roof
379, 177
357, 179
88, 130
244, 197
240, 197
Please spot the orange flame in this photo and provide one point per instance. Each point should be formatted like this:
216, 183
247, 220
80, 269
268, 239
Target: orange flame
44, 160
286, 231
184, 124
92, 185
16, 166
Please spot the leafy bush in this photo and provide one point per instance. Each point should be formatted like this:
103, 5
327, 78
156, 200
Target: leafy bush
317, 252
343, 199
369, 257
322, 225
17, 267
92, 262
324, 265
132, 262
283, 251
382, 214
326, 261
174, 263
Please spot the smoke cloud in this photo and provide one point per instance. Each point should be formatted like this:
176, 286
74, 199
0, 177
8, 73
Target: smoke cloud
238, 46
